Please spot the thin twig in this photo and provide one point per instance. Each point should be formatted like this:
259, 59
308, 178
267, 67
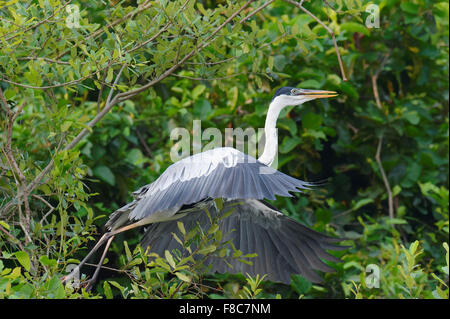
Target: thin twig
331, 32
373, 78
212, 63
101, 69
4, 102
211, 79
22, 182
47, 204
256, 11
44, 59
15, 240
99, 98
126, 95
143, 142
46, 87
111, 91
142, 7
383, 175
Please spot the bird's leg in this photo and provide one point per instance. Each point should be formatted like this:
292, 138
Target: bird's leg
76, 271
101, 241
99, 265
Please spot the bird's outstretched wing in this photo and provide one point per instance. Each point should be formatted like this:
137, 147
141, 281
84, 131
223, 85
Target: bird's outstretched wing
217, 173
283, 246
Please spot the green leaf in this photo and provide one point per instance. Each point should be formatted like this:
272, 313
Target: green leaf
170, 259
135, 157
409, 7
300, 284
289, 143
202, 108
396, 221
280, 61
127, 251
56, 287
45, 261
181, 227
309, 84
107, 290
4, 224
66, 125
354, 27
207, 250
23, 259
197, 91
270, 63
362, 202
183, 277
312, 121
412, 117
109, 75
10, 93
105, 174
349, 90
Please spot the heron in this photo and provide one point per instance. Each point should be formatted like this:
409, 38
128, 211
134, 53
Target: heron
282, 245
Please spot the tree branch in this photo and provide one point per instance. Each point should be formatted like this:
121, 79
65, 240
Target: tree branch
331, 32
385, 180
126, 95
15, 240
256, 11
39, 23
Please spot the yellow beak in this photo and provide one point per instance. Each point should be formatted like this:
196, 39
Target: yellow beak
318, 94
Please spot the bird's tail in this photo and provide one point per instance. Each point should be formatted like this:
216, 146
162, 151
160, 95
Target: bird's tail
120, 218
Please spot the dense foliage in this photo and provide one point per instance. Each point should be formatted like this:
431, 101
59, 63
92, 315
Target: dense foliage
73, 149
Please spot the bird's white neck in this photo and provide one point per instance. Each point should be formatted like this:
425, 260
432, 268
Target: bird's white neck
270, 132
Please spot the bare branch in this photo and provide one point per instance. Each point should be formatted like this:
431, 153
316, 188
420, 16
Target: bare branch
4, 102
256, 11
47, 204
374, 77
385, 180
59, 84
45, 59
22, 183
114, 84
211, 79
15, 240
212, 63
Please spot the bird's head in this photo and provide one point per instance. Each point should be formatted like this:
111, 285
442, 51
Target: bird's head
290, 96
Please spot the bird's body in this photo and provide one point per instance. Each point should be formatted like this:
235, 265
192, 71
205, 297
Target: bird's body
218, 173
283, 246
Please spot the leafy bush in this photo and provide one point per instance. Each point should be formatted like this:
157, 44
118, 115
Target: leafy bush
86, 116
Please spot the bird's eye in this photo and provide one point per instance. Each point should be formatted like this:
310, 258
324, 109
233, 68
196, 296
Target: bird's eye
293, 91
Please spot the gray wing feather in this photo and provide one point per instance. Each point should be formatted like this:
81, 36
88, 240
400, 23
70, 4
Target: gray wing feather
283, 246
217, 173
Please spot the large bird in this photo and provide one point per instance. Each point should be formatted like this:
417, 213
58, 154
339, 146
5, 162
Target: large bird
282, 245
